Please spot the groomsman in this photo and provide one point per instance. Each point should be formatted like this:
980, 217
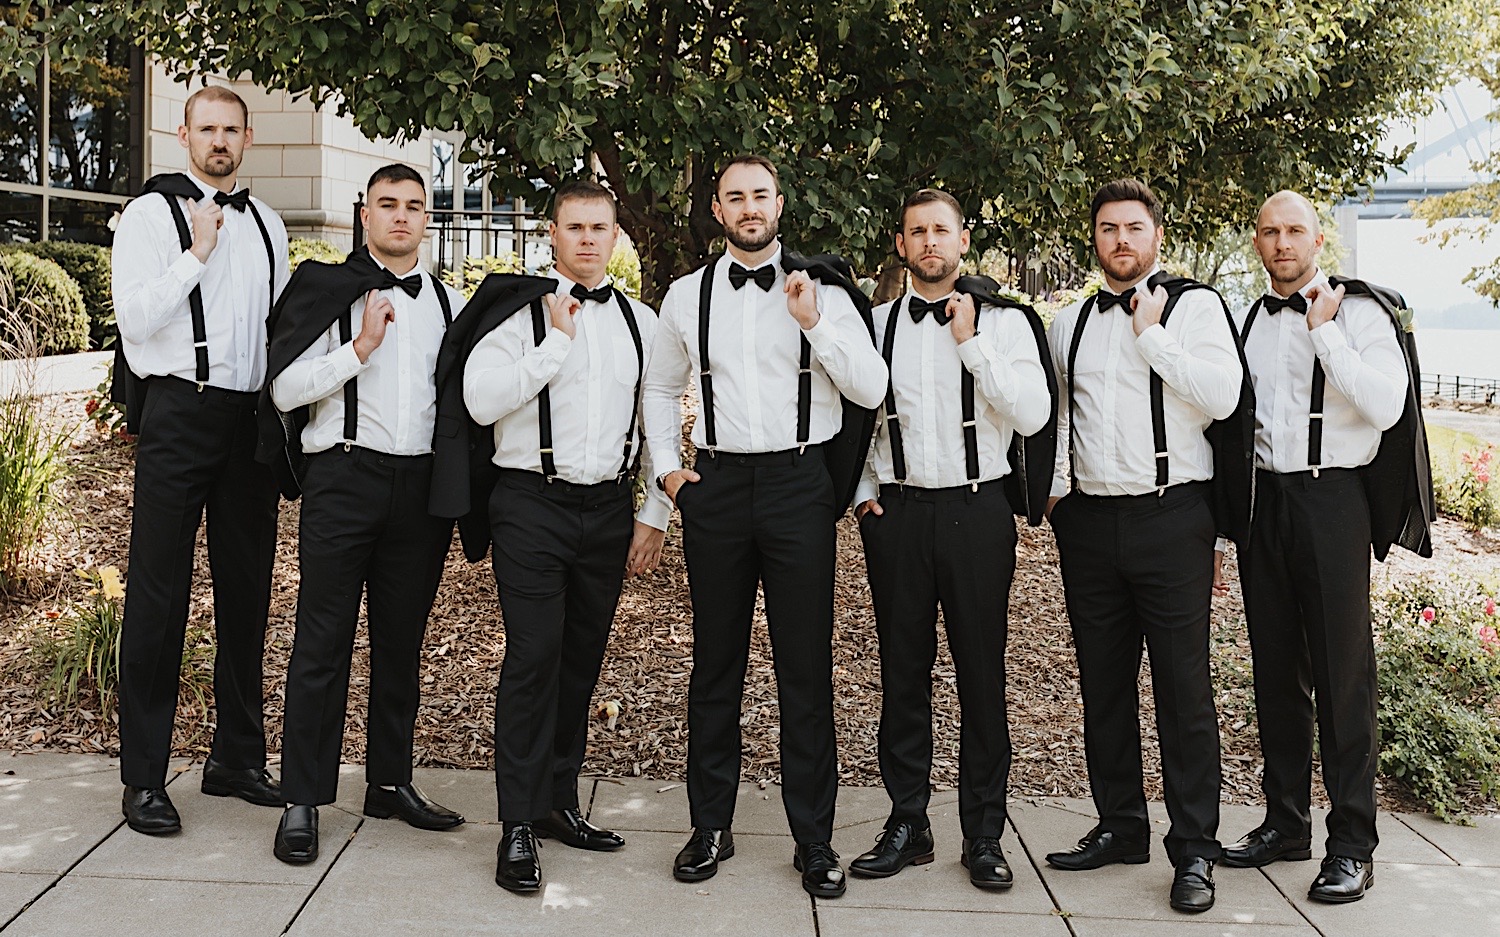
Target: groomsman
1136, 536
967, 376
562, 389
197, 264
759, 506
357, 344
1329, 378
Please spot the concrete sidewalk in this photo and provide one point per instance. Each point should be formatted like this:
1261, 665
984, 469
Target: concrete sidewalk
56, 374
68, 866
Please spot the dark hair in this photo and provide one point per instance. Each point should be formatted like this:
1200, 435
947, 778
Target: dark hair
395, 172
927, 197
1125, 190
213, 93
749, 159
582, 190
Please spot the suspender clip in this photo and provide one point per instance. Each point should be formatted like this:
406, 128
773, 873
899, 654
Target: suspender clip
974, 487
348, 445
802, 449
1161, 492
968, 424
1315, 471
200, 387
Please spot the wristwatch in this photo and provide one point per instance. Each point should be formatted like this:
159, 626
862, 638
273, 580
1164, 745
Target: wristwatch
661, 480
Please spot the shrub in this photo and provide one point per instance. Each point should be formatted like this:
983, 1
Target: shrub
49, 299
1462, 475
89, 266
467, 279
1439, 666
85, 657
300, 249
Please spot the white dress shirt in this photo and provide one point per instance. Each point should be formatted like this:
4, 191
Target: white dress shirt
1365, 382
397, 387
1199, 365
1010, 395
152, 276
755, 351
591, 380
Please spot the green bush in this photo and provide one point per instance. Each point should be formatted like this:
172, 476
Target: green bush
300, 249
88, 265
475, 269
1439, 666
51, 302
1461, 476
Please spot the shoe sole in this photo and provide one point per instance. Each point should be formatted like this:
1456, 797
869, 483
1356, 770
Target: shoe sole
872, 873
724, 856
518, 889
1297, 855
294, 859
155, 831
1140, 859
1344, 899
544, 834
380, 813
1190, 909
215, 790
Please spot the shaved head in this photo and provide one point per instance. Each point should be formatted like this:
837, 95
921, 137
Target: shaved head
1288, 200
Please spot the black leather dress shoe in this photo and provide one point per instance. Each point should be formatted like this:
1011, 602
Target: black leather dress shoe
1264, 845
411, 805
898, 847
1100, 848
986, 864
297, 836
149, 810
822, 876
700, 858
1342, 879
254, 785
518, 869
1193, 885
571, 829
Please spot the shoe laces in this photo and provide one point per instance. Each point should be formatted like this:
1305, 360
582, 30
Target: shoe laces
823, 851
985, 844
525, 835
1342, 864
1186, 873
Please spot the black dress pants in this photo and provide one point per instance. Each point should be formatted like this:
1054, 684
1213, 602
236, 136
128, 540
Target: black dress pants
761, 519
365, 531
1137, 567
953, 547
196, 451
559, 560
1306, 580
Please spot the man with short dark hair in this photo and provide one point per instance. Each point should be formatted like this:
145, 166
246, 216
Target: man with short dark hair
197, 264
356, 345
561, 389
759, 506
969, 376
1136, 535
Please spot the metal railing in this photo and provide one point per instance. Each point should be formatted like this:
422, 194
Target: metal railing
458, 234
1458, 387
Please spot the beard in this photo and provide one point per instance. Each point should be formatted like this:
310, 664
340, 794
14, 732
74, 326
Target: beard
772, 228
219, 164
1302, 270
1127, 269
945, 270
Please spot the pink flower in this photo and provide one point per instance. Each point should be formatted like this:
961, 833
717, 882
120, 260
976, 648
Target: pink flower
1428, 613
1489, 607
1489, 638
1481, 476
1485, 455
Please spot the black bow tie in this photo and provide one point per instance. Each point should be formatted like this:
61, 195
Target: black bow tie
601, 295
1295, 302
763, 276
938, 307
239, 201
412, 284
1105, 299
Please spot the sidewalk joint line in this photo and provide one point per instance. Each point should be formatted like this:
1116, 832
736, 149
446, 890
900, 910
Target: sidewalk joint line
1285, 897
1451, 857
1057, 908
319, 883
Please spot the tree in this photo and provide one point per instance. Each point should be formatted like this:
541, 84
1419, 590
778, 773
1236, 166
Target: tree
1021, 109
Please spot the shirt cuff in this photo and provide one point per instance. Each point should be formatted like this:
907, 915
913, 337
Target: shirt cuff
556, 343
345, 361
971, 354
1059, 488
823, 335
655, 511
1154, 342
866, 490
1328, 338
187, 268
1221, 544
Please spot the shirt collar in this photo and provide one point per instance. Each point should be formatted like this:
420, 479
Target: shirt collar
912, 294
774, 260
1155, 269
565, 285
208, 190
1319, 279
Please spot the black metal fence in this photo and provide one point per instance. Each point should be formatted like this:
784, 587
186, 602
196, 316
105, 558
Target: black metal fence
1457, 387
462, 233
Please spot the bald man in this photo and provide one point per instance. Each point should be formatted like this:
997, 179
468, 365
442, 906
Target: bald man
1330, 378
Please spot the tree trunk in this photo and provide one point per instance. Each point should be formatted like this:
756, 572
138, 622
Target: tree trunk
891, 282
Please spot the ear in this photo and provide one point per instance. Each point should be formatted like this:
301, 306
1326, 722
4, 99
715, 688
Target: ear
718, 210
964, 240
249, 137
780, 204
900, 246
182, 135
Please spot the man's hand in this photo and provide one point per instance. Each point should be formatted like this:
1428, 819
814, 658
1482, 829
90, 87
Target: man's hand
1147, 308
961, 308
871, 506
378, 312
675, 480
801, 298
1221, 588
1324, 306
561, 309
645, 550
207, 217
1051, 503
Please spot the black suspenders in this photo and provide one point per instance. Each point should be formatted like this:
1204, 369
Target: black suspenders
705, 373
351, 386
195, 298
1315, 408
893, 423
630, 458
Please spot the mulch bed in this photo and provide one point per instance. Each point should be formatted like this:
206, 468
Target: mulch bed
646, 670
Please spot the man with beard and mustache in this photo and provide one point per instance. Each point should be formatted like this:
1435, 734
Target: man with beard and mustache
195, 272
1326, 389
759, 506
1136, 537
937, 529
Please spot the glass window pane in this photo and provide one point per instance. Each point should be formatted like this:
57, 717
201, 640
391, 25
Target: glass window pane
20, 217
21, 128
474, 177
442, 174
90, 145
77, 220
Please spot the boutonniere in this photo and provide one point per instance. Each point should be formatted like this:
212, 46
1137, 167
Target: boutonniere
1407, 319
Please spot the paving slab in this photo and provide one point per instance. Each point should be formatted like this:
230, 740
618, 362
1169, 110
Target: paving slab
17, 889
380, 877
16, 767
80, 906
48, 824
471, 792
223, 839
1407, 901
841, 920
1398, 842
1468, 845
943, 884
1102, 927
1138, 892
